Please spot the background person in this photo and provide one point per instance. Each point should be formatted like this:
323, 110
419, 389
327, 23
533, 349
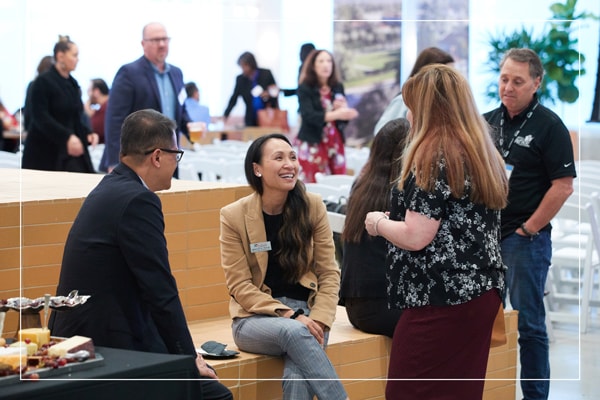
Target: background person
397, 108
95, 107
363, 286
148, 82
324, 113
445, 265
279, 260
305, 50
8, 122
58, 138
44, 65
195, 112
257, 88
535, 142
118, 254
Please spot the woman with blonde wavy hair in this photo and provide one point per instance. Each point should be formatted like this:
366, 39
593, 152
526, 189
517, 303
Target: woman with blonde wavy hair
444, 265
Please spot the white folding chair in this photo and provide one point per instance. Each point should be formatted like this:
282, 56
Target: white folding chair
187, 171
209, 168
356, 158
10, 160
233, 171
572, 276
336, 221
327, 192
335, 179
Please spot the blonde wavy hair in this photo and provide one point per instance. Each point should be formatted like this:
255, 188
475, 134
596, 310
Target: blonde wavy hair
446, 125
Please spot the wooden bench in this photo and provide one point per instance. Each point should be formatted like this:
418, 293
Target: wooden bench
360, 359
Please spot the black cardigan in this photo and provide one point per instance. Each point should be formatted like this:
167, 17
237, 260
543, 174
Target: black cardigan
56, 113
313, 114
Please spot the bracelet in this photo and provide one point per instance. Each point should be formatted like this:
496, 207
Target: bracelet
530, 234
377, 223
297, 313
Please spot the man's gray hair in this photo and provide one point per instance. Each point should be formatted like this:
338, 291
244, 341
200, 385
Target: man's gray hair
536, 69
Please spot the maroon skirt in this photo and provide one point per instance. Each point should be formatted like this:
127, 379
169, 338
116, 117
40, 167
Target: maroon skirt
442, 352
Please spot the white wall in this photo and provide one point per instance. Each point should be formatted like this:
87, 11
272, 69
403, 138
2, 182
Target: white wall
209, 35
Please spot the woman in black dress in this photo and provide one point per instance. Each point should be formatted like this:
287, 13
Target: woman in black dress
58, 137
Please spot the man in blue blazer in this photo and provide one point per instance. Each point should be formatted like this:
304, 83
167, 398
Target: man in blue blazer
116, 252
148, 82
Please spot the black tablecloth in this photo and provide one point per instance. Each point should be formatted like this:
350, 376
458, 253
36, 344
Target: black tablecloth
122, 375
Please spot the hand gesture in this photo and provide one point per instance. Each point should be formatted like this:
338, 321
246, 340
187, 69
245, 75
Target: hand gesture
74, 146
93, 139
347, 114
204, 369
314, 327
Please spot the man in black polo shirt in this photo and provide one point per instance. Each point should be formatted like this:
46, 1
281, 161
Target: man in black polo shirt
537, 149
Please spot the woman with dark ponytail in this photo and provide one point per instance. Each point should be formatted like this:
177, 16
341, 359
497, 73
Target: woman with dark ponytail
58, 138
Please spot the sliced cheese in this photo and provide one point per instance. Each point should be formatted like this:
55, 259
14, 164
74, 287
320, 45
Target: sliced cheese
16, 357
31, 347
37, 335
16, 361
72, 345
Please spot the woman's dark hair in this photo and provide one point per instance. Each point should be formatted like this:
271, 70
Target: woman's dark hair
431, 55
45, 64
248, 59
100, 84
371, 190
64, 44
296, 231
308, 75
305, 50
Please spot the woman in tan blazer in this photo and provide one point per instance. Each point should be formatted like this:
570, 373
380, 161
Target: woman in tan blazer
278, 255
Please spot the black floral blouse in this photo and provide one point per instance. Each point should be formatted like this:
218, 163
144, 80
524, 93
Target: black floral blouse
461, 263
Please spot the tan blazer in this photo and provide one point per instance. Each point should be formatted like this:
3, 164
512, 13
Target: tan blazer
242, 224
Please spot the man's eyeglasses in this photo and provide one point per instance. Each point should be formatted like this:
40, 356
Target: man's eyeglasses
179, 153
158, 40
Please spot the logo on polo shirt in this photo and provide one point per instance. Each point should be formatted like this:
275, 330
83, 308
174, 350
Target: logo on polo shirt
524, 141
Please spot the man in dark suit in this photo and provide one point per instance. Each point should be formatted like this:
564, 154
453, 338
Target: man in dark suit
148, 82
116, 252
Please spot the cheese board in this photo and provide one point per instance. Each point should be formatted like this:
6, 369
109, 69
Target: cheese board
51, 360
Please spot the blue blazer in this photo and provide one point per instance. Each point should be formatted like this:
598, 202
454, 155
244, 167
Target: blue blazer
116, 252
134, 88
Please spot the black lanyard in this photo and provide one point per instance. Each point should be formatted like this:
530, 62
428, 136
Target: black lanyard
506, 151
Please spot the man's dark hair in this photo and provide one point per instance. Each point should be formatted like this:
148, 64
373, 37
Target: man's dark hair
190, 89
145, 130
100, 84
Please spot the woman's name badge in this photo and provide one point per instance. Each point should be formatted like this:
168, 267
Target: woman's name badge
509, 169
258, 247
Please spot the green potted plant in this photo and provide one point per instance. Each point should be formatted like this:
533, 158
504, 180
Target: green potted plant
557, 48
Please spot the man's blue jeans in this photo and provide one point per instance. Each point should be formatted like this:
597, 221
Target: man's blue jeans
528, 261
